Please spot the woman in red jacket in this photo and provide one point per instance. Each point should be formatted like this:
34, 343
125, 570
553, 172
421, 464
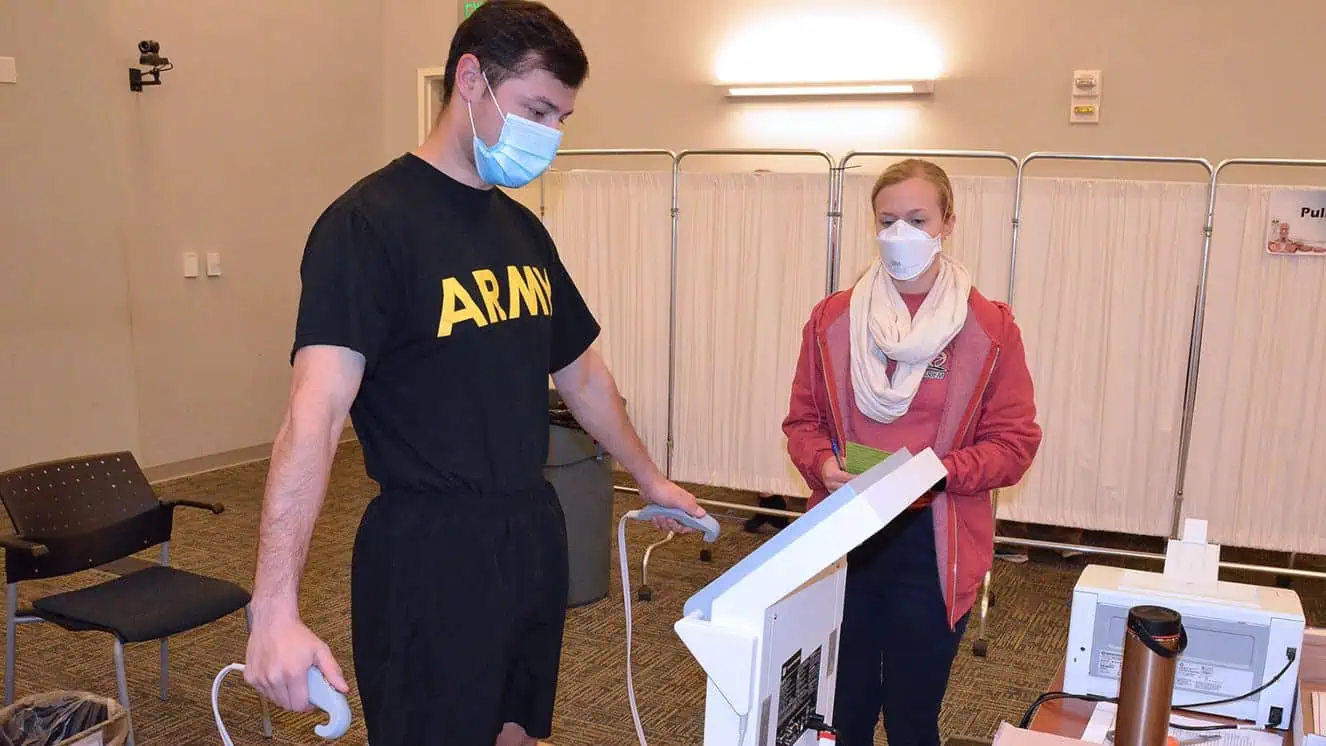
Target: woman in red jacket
912, 357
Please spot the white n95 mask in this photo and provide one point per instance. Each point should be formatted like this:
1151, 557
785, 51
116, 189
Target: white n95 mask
906, 250
524, 149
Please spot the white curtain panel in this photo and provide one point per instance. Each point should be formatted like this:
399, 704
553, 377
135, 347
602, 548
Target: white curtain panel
751, 265
1105, 290
1256, 471
981, 238
614, 233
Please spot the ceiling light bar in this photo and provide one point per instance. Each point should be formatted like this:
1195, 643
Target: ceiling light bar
830, 90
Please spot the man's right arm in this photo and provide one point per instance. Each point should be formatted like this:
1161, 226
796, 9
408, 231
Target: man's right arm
324, 384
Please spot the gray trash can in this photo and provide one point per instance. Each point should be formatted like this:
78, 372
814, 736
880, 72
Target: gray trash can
581, 473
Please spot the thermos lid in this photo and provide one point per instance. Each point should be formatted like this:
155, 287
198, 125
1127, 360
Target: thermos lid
1158, 621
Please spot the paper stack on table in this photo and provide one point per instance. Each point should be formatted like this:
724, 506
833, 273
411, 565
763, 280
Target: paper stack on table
1102, 724
1010, 735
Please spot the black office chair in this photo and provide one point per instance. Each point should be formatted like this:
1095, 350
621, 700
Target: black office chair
94, 512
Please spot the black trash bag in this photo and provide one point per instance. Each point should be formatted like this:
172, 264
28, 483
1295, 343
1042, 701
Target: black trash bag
51, 722
559, 414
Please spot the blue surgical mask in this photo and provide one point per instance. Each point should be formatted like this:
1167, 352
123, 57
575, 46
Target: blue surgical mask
524, 149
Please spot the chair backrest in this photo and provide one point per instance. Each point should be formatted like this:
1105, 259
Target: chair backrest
88, 510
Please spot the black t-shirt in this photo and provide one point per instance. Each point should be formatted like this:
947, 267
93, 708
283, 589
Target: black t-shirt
461, 307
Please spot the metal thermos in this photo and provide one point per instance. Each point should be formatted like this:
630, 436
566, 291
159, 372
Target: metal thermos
1151, 649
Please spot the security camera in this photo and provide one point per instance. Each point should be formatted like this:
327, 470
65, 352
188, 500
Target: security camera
149, 56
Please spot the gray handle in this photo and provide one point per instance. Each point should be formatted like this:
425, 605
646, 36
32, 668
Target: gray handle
708, 525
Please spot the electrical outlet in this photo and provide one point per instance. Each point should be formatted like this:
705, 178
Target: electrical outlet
213, 264
190, 265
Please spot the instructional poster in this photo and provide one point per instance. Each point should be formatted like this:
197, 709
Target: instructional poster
1298, 223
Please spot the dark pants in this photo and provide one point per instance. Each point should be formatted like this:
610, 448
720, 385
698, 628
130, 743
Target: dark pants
897, 648
458, 602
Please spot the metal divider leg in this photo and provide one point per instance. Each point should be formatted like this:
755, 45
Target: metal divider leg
165, 669
981, 645
646, 593
165, 645
11, 639
1284, 581
123, 687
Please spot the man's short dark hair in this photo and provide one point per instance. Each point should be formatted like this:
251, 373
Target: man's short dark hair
512, 38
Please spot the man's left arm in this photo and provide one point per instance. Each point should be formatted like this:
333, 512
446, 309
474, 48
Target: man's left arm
589, 390
586, 385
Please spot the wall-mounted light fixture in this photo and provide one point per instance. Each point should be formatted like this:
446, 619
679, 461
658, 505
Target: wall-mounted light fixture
851, 90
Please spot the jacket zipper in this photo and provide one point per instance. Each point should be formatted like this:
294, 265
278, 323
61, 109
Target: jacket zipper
952, 516
835, 433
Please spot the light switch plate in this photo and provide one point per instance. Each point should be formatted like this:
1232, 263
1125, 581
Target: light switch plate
1086, 83
8, 70
213, 264
190, 265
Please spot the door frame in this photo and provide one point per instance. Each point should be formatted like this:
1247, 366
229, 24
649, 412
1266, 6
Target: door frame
430, 98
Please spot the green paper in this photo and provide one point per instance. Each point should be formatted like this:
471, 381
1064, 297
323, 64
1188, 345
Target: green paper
861, 459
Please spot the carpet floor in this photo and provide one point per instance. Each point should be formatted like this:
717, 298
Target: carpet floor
1027, 628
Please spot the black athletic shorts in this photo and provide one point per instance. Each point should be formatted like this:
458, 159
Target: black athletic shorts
458, 602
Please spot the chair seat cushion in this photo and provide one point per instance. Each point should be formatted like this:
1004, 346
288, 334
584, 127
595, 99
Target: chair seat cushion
146, 605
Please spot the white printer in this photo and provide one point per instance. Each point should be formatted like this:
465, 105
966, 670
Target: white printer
1240, 637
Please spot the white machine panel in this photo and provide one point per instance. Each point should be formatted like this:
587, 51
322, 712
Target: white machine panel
766, 630
1239, 638
800, 655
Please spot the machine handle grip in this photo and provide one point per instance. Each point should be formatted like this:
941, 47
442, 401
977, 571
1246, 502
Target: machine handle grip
707, 525
324, 697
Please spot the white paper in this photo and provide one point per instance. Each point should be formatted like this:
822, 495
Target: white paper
1193, 565
1194, 529
1102, 720
1102, 723
1230, 594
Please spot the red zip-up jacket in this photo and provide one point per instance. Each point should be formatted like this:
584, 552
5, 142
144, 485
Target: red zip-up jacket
987, 436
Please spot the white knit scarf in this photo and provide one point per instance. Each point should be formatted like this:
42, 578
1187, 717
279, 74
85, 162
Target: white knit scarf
883, 329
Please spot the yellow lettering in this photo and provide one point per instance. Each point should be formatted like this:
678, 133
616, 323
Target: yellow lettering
520, 290
454, 293
547, 287
541, 288
491, 295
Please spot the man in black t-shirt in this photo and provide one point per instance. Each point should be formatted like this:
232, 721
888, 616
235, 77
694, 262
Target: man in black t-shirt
433, 309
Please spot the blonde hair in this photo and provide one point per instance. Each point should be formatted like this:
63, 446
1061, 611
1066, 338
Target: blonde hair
915, 168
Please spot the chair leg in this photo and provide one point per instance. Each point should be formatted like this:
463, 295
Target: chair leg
124, 689
165, 670
266, 712
11, 639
